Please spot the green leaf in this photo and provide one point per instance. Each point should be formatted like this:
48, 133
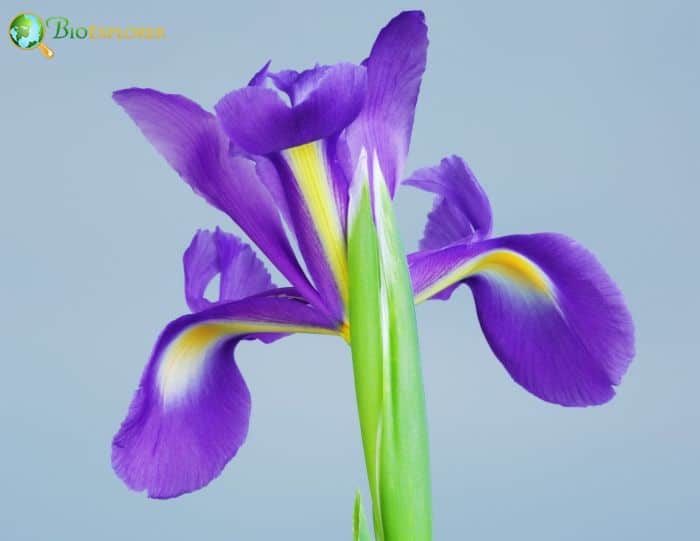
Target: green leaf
360, 529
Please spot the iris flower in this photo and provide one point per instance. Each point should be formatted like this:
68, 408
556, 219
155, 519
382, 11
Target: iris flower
306, 164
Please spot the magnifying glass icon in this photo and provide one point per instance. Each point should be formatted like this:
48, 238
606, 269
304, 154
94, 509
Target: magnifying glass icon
27, 32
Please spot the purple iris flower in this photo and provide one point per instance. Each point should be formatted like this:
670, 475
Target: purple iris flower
279, 157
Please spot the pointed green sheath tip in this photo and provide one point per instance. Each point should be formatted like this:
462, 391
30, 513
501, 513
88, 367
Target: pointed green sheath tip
360, 528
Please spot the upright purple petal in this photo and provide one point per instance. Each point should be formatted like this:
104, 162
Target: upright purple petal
461, 211
316, 195
299, 85
306, 177
327, 99
297, 152
548, 309
261, 75
241, 273
264, 167
192, 141
190, 413
284, 80
394, 70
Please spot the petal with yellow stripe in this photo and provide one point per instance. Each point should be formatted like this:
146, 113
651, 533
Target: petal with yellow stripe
190, 413
551, 314
320, 218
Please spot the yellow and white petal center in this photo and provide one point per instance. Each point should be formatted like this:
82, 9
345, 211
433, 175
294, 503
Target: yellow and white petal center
505, 265
183, 362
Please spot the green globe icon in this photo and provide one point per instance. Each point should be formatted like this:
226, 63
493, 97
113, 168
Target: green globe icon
27, 31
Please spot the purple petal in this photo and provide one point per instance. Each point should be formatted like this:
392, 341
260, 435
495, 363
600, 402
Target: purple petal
313, 196
322, 191
394, 70
299, 86
549, 311
241, 273
284, 81
313, 200
461, 211
329, 98
270, 177
260, 76
192, 141
190, 414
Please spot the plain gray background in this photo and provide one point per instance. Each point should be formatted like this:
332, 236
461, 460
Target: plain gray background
577, 117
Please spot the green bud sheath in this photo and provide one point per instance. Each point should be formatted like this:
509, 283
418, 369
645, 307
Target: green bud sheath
386, 361
366, 336
360, 529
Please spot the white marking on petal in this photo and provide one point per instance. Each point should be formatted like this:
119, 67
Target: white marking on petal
184, 361
360, 179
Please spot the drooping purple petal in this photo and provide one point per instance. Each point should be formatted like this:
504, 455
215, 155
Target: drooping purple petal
190, 413
394, 70
328, 98
461, 211
192, 141
548, 309
241, 273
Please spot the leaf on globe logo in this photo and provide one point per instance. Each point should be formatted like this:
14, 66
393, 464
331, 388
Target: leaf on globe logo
27, 32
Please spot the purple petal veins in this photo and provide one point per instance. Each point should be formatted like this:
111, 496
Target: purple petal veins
217, 253
461, 210
550, 313
286, 151
192, 141
259, 121
190, 414
395, 67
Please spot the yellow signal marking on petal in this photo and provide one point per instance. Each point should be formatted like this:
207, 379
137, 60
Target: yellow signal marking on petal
344, 331
311, 172
183, 360
504, 263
